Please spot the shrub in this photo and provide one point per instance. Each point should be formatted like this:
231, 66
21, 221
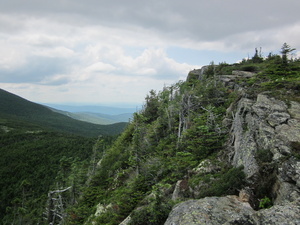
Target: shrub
265, 203
264, 156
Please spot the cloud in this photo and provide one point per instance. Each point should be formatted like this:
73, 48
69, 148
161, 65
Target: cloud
74, 47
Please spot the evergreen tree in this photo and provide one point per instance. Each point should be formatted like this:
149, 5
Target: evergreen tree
286, 50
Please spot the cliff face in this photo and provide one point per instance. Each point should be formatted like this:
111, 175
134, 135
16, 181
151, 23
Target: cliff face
264, 138
262, 126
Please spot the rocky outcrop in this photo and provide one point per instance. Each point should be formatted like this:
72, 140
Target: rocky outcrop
271, 125
230, 210
287, 187
209, 210
256, 125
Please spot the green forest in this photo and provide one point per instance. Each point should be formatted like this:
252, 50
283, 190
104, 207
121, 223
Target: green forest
101, 180
15, 110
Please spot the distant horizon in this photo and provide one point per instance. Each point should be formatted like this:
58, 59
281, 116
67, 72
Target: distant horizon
85, 104
98, 109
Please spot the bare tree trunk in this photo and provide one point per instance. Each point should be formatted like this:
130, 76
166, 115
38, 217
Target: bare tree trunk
179, 127
55, 208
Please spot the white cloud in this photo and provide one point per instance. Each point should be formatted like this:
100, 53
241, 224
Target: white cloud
100, 67
81, 49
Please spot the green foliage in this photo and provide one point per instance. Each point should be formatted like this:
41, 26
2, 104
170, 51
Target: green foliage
257, 57
266, 178
225, 182
285, 51
31, 163
210, 71
265, 203
150, 111
155, 212
295, 149
202, 140
264, 156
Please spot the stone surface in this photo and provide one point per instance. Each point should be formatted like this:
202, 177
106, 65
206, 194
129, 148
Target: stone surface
264, 123
243, 73
243, 138
294, 110
180, 190
126, 221
289, 131
267, 124
229, 210
261, 123
287, 188
211, 210
206, 166
279, 214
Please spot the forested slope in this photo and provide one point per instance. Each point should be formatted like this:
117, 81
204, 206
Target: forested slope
186, 143
15, 108
42, 151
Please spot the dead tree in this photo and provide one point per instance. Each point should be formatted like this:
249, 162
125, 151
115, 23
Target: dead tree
55, 207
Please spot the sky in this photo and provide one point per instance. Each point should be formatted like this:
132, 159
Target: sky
114, 52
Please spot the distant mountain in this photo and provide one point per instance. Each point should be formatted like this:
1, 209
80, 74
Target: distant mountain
96, 118
15, 110
93, 109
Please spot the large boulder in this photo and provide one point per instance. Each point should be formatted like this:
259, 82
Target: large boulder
230, 210
210, 210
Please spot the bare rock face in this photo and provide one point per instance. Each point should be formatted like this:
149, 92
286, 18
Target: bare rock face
229, 210
211, 210
263, 124
287, 187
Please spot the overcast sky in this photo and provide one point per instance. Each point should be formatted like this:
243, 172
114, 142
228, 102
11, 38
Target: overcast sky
116, 51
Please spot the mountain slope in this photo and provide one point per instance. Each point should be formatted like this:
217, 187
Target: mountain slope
223, 132
20, 109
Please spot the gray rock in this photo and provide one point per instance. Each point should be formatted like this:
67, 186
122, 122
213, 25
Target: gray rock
180, 190
287, 188
207, 166
266, 105
289, 131
243, 73
266, 123
277, 118
279, 214
294, 110
211, 210
243, 136
229, 210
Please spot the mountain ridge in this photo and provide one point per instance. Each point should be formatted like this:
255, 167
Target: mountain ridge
96, 118
19, 108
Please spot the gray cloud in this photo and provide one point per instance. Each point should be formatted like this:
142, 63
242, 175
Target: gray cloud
74, 42
36, 70
199, 20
